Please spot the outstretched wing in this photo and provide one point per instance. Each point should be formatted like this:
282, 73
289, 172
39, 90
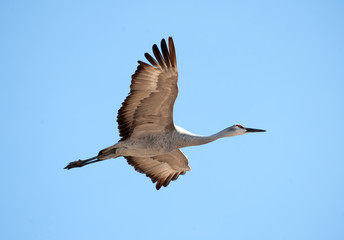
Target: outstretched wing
153, 91
161, 169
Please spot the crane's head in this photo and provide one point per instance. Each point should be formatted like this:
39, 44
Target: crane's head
239, 129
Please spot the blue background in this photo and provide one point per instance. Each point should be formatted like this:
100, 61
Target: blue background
65, 69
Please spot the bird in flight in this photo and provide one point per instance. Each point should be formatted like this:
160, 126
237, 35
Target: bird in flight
150, 141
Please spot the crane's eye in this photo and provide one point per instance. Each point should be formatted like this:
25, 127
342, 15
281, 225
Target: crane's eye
238, 125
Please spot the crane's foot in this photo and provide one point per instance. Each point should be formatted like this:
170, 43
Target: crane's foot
75, 164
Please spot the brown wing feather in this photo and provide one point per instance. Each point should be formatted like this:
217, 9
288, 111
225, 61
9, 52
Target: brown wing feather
161, 169
165, 53
173, 56
153, 91
158, 56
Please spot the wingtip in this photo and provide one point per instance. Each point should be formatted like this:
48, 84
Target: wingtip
158, 186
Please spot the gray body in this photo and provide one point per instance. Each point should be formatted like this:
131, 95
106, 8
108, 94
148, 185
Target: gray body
151, 145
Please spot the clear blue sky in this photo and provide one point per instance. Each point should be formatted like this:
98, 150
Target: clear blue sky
65, 69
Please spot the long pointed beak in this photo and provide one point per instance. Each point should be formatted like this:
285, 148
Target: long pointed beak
254, 130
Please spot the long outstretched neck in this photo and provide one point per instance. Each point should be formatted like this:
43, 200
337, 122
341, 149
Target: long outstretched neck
195, 140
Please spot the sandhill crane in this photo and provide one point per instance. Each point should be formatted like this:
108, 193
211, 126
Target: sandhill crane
150, 140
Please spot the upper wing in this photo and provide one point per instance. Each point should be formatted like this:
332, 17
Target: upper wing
153, 91
163, 168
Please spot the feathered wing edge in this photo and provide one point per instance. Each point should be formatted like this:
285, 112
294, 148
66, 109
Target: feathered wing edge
161, 169
125, 117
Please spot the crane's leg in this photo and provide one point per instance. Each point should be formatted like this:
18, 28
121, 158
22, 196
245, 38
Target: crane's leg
104, 154
81, 163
